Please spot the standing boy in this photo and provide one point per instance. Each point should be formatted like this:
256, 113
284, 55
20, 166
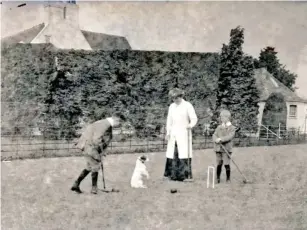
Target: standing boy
93, 142
224, 135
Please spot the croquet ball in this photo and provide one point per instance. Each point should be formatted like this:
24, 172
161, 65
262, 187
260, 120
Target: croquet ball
174, 190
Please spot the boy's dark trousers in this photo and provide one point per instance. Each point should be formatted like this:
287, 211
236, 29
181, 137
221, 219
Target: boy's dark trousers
222, 158
219, 171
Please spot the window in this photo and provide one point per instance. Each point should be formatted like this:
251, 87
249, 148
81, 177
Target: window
293, 111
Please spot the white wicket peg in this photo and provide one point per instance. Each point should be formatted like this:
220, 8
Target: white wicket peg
208, 176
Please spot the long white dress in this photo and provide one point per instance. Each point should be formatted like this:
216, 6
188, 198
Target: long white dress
178, 119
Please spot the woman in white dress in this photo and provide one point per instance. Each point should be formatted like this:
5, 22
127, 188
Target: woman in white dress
181, 119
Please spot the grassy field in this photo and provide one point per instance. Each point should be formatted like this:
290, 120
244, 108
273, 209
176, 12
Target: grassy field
36, 194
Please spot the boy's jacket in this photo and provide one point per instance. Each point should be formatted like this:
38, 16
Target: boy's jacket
95, 139
226, 134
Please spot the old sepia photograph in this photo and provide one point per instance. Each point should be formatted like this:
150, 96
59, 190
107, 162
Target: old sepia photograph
153, 115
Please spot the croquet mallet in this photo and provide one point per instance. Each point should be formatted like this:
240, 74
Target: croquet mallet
103, 181
244, 180
189, 159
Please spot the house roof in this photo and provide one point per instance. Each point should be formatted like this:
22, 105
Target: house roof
96, 40
25, 36
267, 84
106, 41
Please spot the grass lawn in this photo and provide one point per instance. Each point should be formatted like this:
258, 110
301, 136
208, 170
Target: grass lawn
36, 194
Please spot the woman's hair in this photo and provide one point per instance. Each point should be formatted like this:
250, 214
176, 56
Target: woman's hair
225, 113
143, 158
176, 92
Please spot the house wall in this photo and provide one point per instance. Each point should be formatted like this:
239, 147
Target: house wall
64, 32
298, 122
259, 117
260, 114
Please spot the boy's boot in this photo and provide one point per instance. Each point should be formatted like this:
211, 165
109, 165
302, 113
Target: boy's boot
227, 167
218, 173
76, 185
94, 182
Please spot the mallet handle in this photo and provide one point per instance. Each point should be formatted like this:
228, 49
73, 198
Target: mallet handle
102, 175
233, 161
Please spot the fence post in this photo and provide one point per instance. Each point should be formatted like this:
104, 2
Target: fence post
68, 142
305, 127
205, 139
305, 131
17, 145
147, 143
267, 132
163, 138
44, 130
130, 137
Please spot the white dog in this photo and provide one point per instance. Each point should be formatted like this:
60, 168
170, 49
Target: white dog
140, 170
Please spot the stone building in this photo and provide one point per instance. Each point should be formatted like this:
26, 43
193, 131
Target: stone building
61, 28
296, 106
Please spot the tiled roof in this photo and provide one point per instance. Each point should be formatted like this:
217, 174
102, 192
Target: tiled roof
105, 41
267, 84
25, 36
96, 40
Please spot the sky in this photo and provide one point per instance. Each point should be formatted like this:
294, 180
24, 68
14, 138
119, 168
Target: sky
188, 26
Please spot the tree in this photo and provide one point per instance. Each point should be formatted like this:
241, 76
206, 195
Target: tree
269, 60
237, 90
248, 96
287, 78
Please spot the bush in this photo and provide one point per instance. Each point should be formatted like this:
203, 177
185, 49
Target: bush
90, 85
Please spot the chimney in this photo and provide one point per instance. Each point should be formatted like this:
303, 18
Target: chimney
56, 12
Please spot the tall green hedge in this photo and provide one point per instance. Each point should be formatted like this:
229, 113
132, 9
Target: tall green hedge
25, 71
92, 84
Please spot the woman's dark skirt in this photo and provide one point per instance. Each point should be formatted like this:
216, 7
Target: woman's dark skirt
178, 169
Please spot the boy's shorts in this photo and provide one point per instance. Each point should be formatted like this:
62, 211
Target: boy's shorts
221, 156
91, 164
